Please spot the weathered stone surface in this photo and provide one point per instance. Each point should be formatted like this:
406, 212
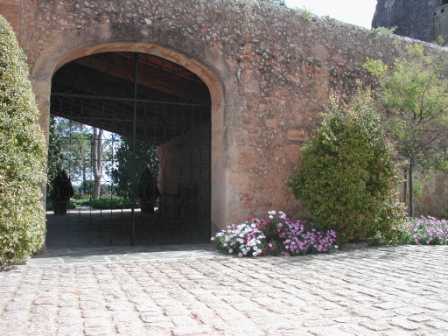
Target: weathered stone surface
269, 71
413, 18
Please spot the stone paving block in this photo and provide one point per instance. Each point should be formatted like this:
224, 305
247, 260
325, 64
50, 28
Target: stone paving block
375, 292
375, 325
326, 331
419, 318
404, 324
439, 325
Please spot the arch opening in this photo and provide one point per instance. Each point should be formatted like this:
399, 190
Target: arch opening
132, 133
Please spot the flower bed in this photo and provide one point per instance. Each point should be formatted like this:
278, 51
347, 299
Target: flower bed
274, 235
427, 231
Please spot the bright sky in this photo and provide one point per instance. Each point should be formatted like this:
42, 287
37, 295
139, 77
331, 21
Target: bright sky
358, 12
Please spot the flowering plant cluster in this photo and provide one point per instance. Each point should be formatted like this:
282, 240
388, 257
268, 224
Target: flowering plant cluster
428, 231
274, 235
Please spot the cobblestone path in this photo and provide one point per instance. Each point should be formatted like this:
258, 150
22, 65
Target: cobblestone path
385, 291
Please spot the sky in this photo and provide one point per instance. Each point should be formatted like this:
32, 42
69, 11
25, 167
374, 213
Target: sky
358, 12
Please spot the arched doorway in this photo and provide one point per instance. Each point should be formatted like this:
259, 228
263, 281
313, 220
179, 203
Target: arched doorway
132, 132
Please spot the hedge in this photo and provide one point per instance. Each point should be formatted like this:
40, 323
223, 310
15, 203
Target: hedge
22, 156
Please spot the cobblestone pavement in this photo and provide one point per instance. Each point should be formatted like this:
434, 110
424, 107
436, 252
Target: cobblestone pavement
385, 291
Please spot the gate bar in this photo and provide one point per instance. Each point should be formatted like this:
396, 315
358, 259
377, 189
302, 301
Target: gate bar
134, 139
128, 100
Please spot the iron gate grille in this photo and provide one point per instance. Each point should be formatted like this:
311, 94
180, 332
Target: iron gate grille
128, 208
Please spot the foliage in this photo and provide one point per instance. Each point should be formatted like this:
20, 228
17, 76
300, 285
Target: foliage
148, 191
383, 31
102, 203
78, 202
60, 193
440, 40
347, 177
307, 15
273, 235
86, 188
69, 148
245, 240
55, 157
278, 2
389, 230
132, 164
111, 202
426, 231
61, 187
414, 95
22, 156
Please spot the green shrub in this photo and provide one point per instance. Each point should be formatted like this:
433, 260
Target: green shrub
114, 202
346, 178
22, 156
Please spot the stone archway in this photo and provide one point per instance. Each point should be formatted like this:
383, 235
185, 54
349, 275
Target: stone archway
46, 67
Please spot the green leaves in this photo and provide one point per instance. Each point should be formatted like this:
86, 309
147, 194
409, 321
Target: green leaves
414, 94
22, 156
347, 177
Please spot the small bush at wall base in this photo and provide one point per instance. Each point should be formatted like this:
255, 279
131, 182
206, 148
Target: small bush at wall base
426, 231
22, 156
114, 202
274, 235
346, 178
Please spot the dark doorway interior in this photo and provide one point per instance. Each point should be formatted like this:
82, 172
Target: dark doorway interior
129, 153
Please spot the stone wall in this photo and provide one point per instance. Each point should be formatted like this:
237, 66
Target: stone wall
270, 71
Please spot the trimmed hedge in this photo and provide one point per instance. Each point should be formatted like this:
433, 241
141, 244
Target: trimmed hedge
107, 202
22, 156
346, 179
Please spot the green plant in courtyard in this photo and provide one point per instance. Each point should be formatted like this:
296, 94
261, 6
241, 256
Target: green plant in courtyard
131, 166
111, 202
307, 14
61, 192
22, 156
383, 31
346, 177
414, 94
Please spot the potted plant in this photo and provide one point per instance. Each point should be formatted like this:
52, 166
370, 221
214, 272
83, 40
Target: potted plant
148, 191
61, 192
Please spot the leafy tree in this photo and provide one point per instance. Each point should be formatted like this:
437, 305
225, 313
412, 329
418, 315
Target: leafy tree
131, 166
55, 157
81, 150
22, 156
414, 94
97, 161
346, 178
69, 149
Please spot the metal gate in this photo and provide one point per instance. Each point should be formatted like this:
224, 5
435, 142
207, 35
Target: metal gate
139, 170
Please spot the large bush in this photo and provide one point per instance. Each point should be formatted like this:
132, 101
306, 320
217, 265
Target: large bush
22, 155
346, 178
